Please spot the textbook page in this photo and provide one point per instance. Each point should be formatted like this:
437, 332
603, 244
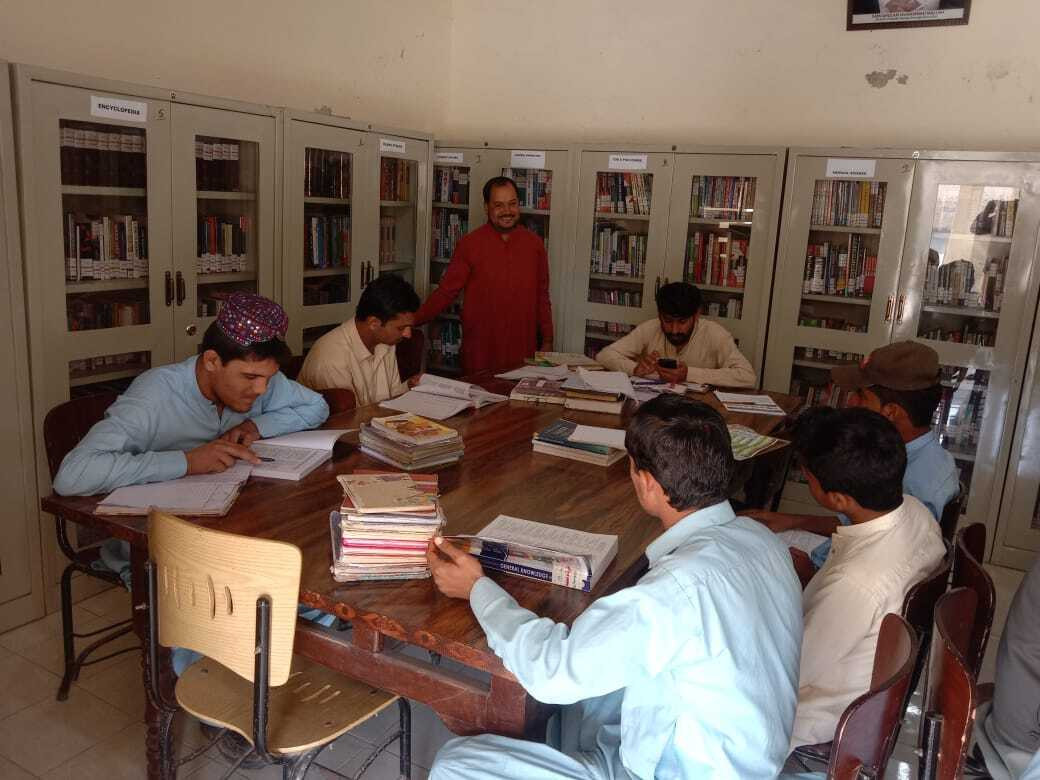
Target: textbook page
205, 497
594, 434
319, 439
434, 407
805, 541
608, 381
281, 461
452, 388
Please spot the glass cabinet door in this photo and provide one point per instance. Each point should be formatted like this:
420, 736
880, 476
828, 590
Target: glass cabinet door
453, 197
224, 214
403, 219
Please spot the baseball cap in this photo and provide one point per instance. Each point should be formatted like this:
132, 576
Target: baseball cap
905, 365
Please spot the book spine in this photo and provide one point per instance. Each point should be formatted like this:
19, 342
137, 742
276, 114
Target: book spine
568, 578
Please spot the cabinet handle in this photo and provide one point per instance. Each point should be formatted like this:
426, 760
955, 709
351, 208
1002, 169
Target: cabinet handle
899, 308
169, 288
888, 308
181, 289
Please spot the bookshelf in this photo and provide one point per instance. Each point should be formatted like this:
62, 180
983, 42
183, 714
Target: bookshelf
543, 186
403, 185
915, 245
707, 215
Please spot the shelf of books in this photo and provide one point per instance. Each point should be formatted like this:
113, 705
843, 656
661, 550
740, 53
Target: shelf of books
403, 179
450, 215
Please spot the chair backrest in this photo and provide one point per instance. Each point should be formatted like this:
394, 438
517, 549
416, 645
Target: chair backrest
919, 609
866, 732
339, 399
969, 573
292, 367
410, 354
952, 513
950, 693
208, 583
66, 424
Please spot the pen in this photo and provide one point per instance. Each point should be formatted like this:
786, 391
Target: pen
265, 460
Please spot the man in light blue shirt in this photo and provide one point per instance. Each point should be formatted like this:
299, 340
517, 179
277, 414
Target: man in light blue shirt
198, 416
692, 672
901, 382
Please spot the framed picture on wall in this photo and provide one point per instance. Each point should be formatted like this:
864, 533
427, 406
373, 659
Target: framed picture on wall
879, 14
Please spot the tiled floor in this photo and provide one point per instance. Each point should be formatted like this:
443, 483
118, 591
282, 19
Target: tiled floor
99, 731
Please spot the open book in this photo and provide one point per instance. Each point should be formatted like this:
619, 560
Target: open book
294, 455
562, 556
201, 494
438, 398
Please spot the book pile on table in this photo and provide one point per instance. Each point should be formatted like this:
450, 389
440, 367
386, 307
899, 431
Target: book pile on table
540, 391
555, 440
385, 524
578, 395
410, 442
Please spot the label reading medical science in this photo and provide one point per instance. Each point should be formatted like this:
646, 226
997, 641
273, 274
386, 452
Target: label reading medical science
525, 158
113, 108
392, 145
627, 162
850, 169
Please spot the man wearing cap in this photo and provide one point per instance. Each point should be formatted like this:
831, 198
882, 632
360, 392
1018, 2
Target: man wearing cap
901, 382
198, 416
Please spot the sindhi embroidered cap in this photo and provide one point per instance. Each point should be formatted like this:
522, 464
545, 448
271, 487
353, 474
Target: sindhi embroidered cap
249, 319
905, 365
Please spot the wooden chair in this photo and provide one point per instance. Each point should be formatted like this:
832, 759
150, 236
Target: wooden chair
948, 713
292, 368
410, 354
867, 730
969, 573
63, 428
339, 399
919, 611
951, 514
233, 598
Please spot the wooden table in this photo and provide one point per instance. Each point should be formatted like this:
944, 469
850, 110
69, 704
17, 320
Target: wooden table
499, 474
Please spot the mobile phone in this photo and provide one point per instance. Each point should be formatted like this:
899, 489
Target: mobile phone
667, 363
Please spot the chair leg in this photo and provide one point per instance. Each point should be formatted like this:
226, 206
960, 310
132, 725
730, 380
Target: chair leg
68, 641
406, 737
297, 768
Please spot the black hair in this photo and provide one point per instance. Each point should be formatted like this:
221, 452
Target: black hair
919, 405
678, 299
853, 451
685, 446
498, 181
385, 297
227, 349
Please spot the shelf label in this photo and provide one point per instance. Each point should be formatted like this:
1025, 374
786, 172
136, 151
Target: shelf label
850, 169
112, 108
525, 158
627, 162
448, 157
392, 145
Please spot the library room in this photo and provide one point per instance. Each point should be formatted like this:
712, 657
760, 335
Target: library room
458, 390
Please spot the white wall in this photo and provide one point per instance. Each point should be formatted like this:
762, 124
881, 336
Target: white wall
373, 61
742, 72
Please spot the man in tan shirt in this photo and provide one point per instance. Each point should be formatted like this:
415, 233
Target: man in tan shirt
361, 354
680, 346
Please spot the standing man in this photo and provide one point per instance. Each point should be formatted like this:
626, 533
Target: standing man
503, 267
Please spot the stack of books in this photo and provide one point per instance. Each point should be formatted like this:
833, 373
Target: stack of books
579, 395
385, 524
540, 391
410, 442
555, 440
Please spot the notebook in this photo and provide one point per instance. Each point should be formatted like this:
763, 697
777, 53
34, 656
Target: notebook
295, 455
200, 494
438, 398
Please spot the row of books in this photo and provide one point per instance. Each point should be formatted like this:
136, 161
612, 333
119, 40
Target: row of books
616, 251
394, 179
94, 155
715, 259
222, 244
968, 209
959, 416
446, 342
326, 241
857, 204
108, 363
731, 307
533, 187
968, 334
723, 197
817, 394
410, 442
326, 173
448, 228
109, 247
611, 330
209, 304
450, 184
218, 164
387, 239
93, 314
555, 440
833, 269
386, 522
821, 355
954, 284
615, 296
624, 193
831, 323
322, 290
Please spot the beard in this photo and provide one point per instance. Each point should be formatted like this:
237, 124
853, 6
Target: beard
678, 339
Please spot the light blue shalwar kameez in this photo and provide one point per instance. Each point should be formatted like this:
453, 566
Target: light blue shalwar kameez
690, 673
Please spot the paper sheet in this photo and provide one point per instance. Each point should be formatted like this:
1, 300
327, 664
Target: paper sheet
204, 497
321, 439
801, 540
453, 388
752, 404
608, 381
435, 407
594, 434
536, 372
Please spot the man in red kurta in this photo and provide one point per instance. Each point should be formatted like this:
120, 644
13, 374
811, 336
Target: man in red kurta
503, 267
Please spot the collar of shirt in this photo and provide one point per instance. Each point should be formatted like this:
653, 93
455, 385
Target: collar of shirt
916, 445
191, 383
358, 348
879, 525
673, 538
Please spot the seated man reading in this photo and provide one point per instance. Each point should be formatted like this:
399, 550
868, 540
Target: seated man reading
690, 672
198, 416
361, 354
680, 345
854, 460
901, 382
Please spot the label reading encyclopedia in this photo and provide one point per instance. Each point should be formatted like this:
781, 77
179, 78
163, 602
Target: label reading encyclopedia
392, 145
627, 162
448, 157
112, 108
526, 158
850, 169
